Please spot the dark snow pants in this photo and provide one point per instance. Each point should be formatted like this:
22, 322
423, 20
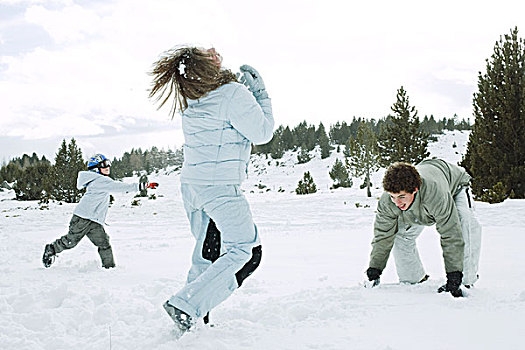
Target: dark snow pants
80, 227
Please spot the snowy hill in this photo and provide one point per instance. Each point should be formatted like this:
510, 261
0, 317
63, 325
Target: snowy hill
307, 293
285, 173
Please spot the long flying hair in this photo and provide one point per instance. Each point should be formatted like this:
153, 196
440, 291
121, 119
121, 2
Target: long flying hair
186, 73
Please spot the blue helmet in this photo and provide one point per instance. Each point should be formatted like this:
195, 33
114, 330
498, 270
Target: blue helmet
98, 161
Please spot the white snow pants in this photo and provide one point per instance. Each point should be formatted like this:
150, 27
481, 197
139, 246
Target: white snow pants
210, 284
408, 264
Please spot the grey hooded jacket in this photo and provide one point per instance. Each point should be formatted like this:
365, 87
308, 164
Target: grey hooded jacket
433, 204
95, 202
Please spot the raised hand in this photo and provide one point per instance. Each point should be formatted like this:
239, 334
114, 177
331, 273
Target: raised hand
253, 81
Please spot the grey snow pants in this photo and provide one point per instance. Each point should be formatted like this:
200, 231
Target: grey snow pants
408, 264
80, 227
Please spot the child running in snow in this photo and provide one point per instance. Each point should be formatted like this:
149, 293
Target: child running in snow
221, 118
90, 213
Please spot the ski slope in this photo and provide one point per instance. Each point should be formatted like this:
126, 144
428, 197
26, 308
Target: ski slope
306, 294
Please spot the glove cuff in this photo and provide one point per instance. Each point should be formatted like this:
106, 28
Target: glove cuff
260, 95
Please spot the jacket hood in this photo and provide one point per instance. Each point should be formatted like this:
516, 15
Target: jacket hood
85, 177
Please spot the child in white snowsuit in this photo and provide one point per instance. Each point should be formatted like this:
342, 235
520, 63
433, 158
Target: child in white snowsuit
221, 118
90, 213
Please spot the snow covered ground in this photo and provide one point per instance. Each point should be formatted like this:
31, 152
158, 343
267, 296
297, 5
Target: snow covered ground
307, 293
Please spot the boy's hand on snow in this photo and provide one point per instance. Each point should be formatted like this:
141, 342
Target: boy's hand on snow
253, 81
373, 277
453, 284
373, 274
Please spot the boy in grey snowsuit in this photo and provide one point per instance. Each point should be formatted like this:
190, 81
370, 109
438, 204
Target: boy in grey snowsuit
90, 213
433, 192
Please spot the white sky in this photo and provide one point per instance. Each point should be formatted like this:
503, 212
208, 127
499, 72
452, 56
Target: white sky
79, 68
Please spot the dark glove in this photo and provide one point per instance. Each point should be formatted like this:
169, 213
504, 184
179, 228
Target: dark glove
253, 81
453, 284
373, 276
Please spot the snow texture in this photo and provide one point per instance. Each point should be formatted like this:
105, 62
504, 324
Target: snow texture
307, 294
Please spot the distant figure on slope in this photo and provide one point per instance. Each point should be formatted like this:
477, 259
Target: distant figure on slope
221, 118
90, 213
433, 192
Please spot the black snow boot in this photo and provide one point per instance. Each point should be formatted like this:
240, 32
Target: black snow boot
49, 255
182, 320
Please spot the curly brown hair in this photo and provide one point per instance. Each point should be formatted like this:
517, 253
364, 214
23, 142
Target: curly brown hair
187, 73
401, 177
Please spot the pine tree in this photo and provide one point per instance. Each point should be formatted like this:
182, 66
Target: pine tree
339, 175
401, 139
323, 141
463, 125
10, 172
303, 156
287, 139
148, 163
26, 161
33, 183
277, 150
311, 138
175, 158
68, 162
116, 169
339, 133
277, 147
306, 185
300, 133
496, 146
363, 155
334, 133
451, 123
354, 126
433, 127
127, 169
136, 161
